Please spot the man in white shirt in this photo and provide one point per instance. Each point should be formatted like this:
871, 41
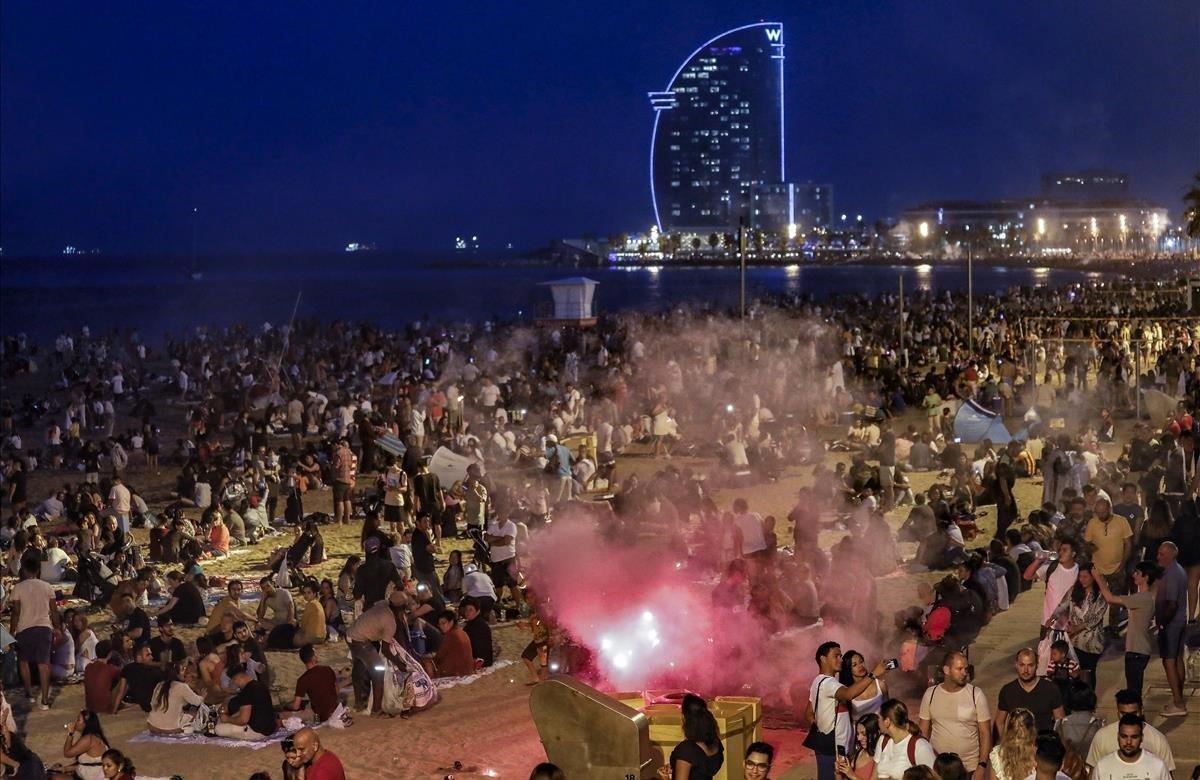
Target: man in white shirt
584, 469
56, 563
828, 711
477, 585
1106, 740
489, 394
748, 537
119, 500
33, 622
1129, 761
501, 536
1060, 577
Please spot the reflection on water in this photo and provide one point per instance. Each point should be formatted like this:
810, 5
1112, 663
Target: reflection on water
41, 302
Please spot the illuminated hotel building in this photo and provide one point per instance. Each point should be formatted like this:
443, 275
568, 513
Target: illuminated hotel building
718, 132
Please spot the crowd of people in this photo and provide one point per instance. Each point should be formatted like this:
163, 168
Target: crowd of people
264, 421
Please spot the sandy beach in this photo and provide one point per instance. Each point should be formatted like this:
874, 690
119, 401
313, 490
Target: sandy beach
486, 725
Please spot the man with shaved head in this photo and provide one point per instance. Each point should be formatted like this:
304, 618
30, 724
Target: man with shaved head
1028, 691
320, 763
955, 716
1170, 613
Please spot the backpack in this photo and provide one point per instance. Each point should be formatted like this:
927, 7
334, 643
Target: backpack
912, 747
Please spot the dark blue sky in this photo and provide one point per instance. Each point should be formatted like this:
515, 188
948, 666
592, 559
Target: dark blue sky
299, 126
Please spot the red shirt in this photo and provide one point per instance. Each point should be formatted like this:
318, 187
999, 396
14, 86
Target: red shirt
326, 767
99, 679
319, 685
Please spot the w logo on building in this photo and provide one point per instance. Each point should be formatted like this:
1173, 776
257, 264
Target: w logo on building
774, 34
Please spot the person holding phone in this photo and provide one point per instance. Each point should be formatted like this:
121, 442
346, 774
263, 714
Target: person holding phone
828, 708
860, 765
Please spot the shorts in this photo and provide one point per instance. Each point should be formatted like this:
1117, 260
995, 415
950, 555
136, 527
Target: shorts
886, 476
1116, 581
342, 491
296, 429
504, 574
532, 651
393, 514
33, 645
1170, 641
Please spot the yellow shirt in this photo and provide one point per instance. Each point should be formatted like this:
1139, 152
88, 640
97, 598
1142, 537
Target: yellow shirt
1109, 540
312, 622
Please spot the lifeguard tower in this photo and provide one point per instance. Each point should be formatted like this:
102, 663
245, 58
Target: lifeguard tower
573, 303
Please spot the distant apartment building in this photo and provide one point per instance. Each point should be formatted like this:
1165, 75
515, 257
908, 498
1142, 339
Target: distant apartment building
1076, 213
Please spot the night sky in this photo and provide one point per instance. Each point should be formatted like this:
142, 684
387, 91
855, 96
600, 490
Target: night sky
302, 126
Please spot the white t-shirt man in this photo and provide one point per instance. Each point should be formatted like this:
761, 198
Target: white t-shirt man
55, 565
1147, 767
503, 552
489, 395
1153, 741
584, 469
479, 585
119, 499
1058, 585
34, 597
753, 539
828, 713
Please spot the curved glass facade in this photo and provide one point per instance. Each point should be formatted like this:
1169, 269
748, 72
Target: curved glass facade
718, 130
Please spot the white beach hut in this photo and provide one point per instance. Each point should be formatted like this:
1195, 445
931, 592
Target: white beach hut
573, 302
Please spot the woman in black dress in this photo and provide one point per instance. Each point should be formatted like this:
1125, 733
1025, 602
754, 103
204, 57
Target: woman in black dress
700, 755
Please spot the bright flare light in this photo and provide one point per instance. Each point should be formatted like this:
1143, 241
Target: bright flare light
792, 231
923, 229
631, 641
1041, 226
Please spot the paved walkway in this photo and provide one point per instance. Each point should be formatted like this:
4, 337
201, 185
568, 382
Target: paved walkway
999, 642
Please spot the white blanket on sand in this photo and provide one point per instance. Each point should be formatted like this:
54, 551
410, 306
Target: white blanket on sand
203, 739
451, 682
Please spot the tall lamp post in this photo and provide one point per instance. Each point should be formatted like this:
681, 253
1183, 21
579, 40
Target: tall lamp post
742, 252
970, 305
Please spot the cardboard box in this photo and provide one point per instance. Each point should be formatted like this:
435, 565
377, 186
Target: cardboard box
632, 699
736, 724
754, 728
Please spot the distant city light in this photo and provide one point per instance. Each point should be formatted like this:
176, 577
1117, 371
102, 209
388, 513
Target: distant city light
1041, 226
791, 231
923, 229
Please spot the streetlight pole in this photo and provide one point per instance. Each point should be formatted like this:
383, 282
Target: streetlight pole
742, 252
194, 210
900, 354
970, 304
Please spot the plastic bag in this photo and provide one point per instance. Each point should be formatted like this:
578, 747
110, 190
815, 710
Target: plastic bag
283, 580
408, 687
1043, 650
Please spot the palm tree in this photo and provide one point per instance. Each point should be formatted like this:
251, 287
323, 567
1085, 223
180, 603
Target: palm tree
1191, 215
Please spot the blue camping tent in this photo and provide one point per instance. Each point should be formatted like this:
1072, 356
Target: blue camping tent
973, 424
391, 444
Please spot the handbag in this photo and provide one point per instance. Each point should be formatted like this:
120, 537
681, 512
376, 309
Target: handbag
821, 742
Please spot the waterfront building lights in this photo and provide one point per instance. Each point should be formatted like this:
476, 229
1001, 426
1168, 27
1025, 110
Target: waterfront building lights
923, 230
